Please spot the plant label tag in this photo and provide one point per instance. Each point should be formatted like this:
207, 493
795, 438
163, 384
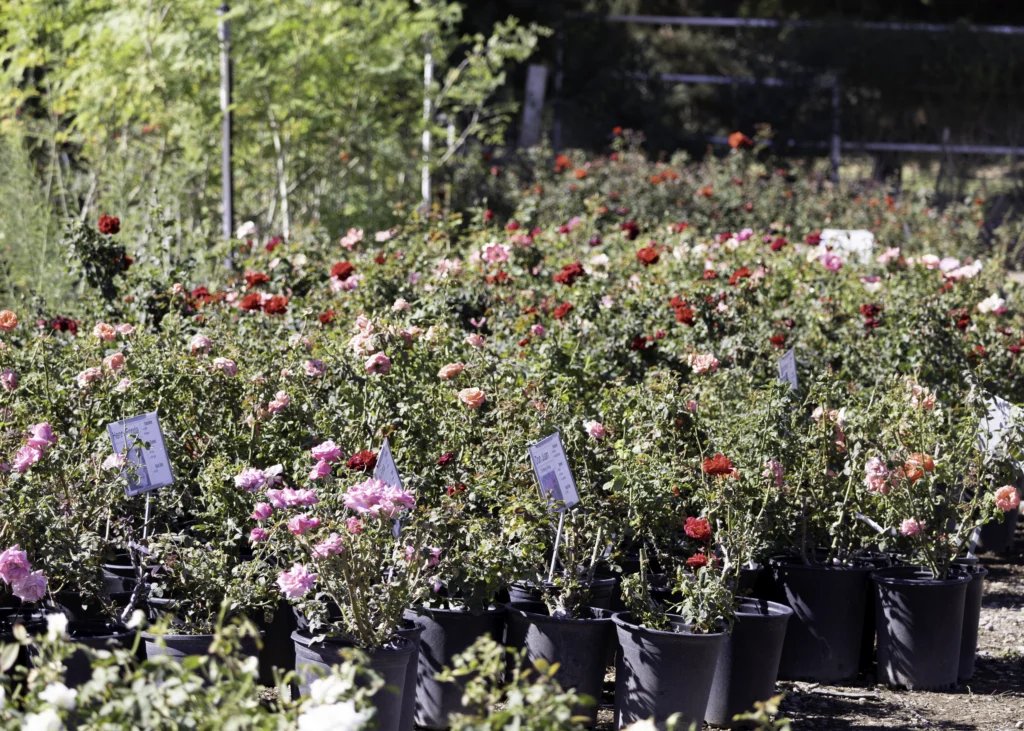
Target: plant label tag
553, 474
787, 369
386, 470
995, 423
848, 242
140, 440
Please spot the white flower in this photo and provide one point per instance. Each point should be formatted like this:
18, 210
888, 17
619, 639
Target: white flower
336, 717
647, 725
60, 696
136, 619
177, 697
251, 666
3, 698
246, 230
991, 304
56, 626
329, 690
47, 720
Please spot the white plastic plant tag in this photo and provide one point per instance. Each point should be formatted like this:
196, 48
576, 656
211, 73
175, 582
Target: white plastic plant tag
849, 242
140, 440
386, 470
787, 369
998, 420
553, 473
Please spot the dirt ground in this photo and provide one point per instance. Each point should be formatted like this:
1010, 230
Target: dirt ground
991, 701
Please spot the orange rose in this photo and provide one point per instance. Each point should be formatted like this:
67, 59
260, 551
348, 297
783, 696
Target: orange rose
8, 320
580, 173
472, 397
450, 371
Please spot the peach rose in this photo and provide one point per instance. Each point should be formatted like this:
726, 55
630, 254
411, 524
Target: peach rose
8, 320
472, 397
114, 362
451, 370
104, 331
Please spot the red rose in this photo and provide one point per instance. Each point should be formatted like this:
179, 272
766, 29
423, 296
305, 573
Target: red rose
445, 459
327, 317
570, 273
710, 274
342, 270
813, 239
276, 305
648, 255
697, 528
254, 279
562, 310
631, 229
697, 560
717, 465
778, 340
273, 244
869, 310
741, 273
108, 225
365, 460
380, 258
454, 490
251, 301
778, 244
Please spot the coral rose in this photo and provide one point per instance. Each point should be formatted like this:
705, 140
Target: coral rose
472, 397
8, 320
1007, 498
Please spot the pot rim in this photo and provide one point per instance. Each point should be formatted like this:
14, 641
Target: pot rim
511, 607
620, 620
796, 562
397, 644
421, 610
775, 609
892, 576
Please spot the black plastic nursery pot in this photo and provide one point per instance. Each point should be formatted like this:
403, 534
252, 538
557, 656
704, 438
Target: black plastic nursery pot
920, 625
579, 646
997, 536
98, 635
180, 646
314, 659
413, 633
867, 637
445, 634
972, 618
823, 637
278, 650
602, 591
660, 673
748, 664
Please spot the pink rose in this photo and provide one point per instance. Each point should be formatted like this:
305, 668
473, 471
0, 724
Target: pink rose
451, 370
435, 556
262, 511
226, 365
296, 581
114, 362
199, 344
595, 429
280, 402
258, 535
475, 340
250, 479
330, 546
705, 363
31, 588
105, 332
401, 305
42, 436
773, 470
354, 525
304, 497
876, 475
114, 462
829, 260
495, 253
538, 331
351, 238
326, 452
26, 457
88, 376
381, 236
302, 523
320, 470
378, 363
9, 379
314, 368
911, 527
474, 398
1007, 498
14, 565
889, 255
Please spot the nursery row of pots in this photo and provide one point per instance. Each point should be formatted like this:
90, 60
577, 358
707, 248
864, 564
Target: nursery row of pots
805, 620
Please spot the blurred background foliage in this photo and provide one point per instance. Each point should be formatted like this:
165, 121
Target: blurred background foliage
113, 105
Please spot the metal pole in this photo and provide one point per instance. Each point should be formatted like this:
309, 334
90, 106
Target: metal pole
428, 79
558, 540
556, 102
227, 179
145, 524
836, 140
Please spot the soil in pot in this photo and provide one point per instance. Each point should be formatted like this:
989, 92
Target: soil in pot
601, 592
748, 664
390, 662
660, 673
920, 625
823, 637
972, 617
579, 646
447, 633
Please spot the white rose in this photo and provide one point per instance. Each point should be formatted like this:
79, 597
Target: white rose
47, 720
59, 695
335, 717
